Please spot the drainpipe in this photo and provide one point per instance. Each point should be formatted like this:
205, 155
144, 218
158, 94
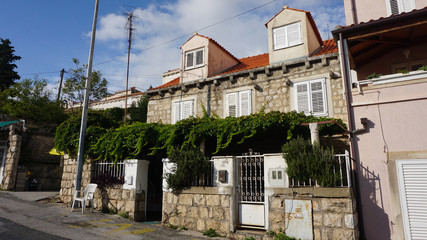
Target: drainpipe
343, 48
354, 11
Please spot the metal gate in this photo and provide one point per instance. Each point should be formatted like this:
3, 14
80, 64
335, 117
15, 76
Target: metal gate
250, 190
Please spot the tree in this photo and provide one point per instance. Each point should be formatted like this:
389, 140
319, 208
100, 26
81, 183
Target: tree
7, 66
74, 84
138, 112
29, 99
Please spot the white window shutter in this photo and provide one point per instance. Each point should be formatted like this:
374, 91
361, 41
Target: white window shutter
412, 179
394, 7
302, 98
176, 112
199, 57
187, 109
232, 104
245, 103
294, 34
407, 5
317, 97
279, 37
189, 59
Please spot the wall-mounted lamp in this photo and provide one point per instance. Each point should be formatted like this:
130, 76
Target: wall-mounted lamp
289, 83
258, 88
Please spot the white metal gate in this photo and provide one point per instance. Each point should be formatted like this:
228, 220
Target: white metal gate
412, 178
3, 145
250, 190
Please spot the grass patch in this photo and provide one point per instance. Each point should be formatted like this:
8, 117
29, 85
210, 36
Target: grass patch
211, 233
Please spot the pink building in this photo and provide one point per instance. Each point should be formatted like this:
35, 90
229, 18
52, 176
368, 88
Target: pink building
384, 69
357, 11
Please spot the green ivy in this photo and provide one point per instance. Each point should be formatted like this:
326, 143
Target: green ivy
267, 131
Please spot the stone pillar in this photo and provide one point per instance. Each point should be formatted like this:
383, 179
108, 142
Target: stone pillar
314, 131
136, 177
12, 158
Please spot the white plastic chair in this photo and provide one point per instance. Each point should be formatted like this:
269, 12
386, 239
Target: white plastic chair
85, 196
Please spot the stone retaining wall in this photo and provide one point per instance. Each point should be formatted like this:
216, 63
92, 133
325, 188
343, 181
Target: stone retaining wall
197, 211
12, 158
113, 198
333, 217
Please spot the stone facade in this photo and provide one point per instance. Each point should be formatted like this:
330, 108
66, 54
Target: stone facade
333, 217
272, 89
113, 198
12, 158
197, 211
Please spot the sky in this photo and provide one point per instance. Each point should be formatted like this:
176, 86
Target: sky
48, 34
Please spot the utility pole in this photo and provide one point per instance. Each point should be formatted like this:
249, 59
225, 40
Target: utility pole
130, 19
60, 85
80, 155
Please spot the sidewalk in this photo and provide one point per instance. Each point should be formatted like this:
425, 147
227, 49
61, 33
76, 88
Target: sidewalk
57, 219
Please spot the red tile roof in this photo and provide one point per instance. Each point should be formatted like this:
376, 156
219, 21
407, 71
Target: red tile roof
168, 84
328, 46
248, 63
214, 42
310, 18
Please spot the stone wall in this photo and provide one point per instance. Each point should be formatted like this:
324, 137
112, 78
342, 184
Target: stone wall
12, 158
113, 198
197, 210
334, 216
270, 89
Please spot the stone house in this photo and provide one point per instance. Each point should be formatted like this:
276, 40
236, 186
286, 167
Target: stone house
300, 72
385, 75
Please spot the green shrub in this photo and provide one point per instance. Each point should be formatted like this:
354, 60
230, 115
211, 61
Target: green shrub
306, 161
423, 68
374, 75
249, 238
124, 214
211, 233
172, 226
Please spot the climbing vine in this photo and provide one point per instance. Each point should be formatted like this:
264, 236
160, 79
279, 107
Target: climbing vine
266, 132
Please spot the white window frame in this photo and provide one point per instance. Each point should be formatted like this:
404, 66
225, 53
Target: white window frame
407, 225
239, 110
309, 97
194, 52
402, 5
285, 28
178, 110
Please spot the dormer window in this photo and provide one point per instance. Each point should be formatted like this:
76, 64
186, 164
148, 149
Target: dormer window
287, 36
194, 59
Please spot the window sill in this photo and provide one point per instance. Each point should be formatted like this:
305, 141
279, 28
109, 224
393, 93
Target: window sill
192, 68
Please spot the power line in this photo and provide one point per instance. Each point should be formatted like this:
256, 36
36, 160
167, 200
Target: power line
187, 34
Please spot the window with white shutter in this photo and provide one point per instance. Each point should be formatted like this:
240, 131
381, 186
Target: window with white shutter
310, 97
182, 110
399, 6
239, 103
287, 36
194, 59
412, 179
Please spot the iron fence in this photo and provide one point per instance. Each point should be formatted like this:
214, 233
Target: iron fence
203, 179
341, 168
109, 169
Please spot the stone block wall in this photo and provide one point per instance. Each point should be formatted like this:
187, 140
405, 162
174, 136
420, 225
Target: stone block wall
197, 211
270, 90
12, 158
115, 198
333, 217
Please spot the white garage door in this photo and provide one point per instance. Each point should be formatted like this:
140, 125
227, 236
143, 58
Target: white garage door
412, 175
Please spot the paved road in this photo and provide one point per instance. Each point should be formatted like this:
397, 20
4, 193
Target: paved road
22, 219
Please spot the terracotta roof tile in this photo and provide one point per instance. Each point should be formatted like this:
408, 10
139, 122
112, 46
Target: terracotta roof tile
214, 42
328, 46
248, 63
168, 84
310, 18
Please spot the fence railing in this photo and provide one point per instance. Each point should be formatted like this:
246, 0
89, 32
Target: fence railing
204, 179
341, 167
109, 169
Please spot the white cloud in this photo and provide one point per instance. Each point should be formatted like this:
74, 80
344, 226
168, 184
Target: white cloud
243, 36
